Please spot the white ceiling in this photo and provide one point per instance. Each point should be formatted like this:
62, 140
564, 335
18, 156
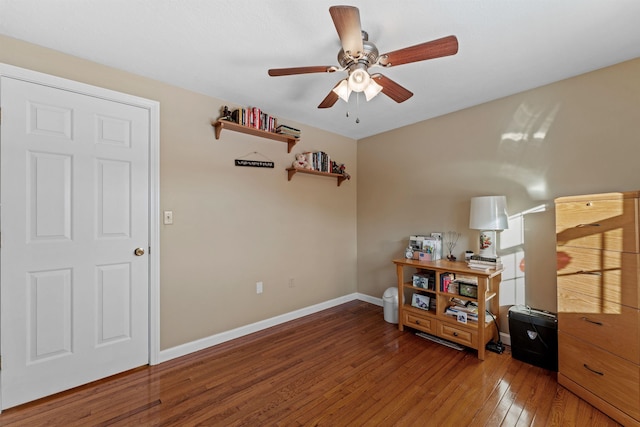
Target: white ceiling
224, 48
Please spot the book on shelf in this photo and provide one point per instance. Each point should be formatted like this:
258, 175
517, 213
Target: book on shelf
479, 267
288, 130
464, 305
445, 281
485, 259
484, 265
309, 156
467, 280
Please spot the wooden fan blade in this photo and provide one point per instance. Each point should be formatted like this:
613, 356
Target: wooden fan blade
302, 70
347, 22
392, 89
331, 98
434, 49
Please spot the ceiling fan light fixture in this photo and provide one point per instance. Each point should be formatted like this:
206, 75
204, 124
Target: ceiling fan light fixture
359, 79
343, 90
372, 90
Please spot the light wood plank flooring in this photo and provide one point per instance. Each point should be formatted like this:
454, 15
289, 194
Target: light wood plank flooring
341, 367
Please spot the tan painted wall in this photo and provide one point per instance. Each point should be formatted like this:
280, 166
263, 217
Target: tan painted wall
233, 226
577, 136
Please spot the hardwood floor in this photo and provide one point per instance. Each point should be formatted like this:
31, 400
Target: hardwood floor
343, 366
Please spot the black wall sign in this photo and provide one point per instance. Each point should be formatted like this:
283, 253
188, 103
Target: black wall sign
254, 163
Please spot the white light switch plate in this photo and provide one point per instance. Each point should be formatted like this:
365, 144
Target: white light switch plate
168, 217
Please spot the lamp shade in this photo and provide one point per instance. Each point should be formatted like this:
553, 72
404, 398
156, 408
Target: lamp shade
372, 90
343, 90
359, 79
488, 213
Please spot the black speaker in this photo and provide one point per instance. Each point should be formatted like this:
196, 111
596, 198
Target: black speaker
534, 336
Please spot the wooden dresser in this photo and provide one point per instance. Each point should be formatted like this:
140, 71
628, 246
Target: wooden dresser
598, 254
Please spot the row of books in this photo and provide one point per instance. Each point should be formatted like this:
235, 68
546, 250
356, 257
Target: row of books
469, 310
446, 279
472, 317
319, 161
254, 117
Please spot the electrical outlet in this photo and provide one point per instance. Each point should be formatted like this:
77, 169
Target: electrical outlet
292, 283
258, 287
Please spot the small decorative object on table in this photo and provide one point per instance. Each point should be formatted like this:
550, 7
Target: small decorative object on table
408, 253
226, 114
451, 241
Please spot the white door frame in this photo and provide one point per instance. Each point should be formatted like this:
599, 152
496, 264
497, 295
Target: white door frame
154, 180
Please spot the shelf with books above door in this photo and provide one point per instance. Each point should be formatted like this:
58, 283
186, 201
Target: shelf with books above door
235, 127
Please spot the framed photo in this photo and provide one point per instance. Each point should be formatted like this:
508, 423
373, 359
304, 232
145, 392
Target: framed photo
462, 317
468, 290
420, 301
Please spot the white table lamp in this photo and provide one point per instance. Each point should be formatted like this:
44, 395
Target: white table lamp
488, 214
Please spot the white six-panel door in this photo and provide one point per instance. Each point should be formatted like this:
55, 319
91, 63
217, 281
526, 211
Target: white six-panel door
75, 207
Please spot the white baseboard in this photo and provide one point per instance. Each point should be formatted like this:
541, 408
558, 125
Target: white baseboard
505, 338
370, 299
201, 344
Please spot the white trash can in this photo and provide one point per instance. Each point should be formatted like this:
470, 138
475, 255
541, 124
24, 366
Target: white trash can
390, 305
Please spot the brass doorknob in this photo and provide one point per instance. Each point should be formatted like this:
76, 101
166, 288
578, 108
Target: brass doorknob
139, 252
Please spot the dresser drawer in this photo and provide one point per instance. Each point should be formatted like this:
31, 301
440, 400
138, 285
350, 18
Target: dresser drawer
417, 321
609, 224
457, 334
603, 275
612, 327
613, 379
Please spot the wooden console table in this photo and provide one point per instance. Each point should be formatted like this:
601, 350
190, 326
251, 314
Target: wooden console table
435, 322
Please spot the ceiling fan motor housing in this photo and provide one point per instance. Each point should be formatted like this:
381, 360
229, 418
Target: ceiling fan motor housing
368, 58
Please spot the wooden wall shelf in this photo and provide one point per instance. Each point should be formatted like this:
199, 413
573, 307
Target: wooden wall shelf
224, 124
292, 171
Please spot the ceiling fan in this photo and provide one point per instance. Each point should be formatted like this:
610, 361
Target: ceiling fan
358, 54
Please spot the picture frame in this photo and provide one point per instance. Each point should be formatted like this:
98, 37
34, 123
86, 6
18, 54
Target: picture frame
462, 317
420, 301
468, 290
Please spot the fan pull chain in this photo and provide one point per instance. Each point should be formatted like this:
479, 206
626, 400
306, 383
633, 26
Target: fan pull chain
357, 108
